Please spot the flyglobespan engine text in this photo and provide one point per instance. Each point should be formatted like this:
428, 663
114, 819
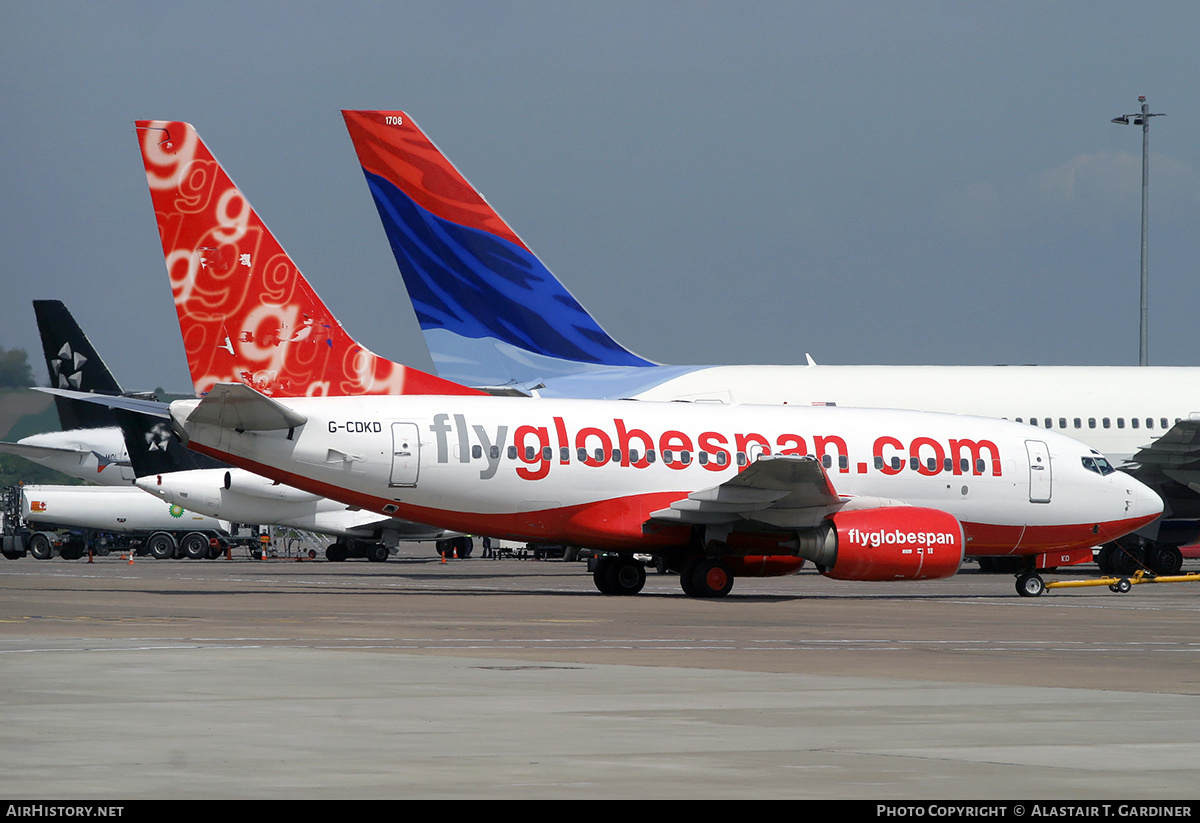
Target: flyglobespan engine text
896, 537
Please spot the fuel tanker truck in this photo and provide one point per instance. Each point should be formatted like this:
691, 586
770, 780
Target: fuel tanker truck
70, 521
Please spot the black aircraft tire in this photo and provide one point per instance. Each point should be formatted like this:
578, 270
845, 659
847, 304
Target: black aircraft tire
625, 576
600, 576
1165, 560
712, 578
1030, 585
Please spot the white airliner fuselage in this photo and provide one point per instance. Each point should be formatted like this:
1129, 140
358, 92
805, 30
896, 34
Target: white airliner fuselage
1114, 410
641, 476
243, 497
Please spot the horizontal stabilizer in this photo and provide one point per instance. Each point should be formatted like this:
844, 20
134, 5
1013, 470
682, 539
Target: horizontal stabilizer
237, 406
153, 408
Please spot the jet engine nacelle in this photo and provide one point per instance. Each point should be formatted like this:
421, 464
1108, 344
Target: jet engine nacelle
889, 543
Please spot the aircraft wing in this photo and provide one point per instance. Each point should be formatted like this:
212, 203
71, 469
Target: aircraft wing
66, 459
404, 529
1175, 455
784, 491
230, 405
40, 452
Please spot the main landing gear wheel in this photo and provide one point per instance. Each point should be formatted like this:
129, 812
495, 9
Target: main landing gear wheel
706, 578
619, 575
1164, 560
1030, 585
335, 552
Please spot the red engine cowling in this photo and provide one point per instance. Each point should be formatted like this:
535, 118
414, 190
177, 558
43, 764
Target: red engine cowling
896, 543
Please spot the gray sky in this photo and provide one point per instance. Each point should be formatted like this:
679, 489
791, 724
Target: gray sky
871, 182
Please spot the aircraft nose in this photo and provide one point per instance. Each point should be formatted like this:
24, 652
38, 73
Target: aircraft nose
1144, 503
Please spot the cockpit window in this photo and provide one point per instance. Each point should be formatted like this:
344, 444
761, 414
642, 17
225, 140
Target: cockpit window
1098, 464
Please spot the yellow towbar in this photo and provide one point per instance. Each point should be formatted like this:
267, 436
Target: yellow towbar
1124, 584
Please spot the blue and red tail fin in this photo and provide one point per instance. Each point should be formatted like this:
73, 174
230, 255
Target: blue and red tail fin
491, 312
246, 312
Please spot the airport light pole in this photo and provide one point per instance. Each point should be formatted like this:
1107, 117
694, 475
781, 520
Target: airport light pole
1142, 119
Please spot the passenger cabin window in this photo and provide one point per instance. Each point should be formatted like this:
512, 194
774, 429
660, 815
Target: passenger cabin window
1078, 423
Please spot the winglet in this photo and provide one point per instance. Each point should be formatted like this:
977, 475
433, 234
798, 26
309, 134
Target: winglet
246, 313
491, 312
